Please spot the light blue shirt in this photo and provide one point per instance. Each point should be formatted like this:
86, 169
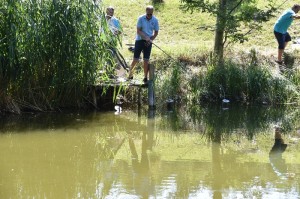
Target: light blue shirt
284, 21
147, 26
114, 24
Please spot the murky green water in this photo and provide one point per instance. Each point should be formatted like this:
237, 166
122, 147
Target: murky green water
186, 153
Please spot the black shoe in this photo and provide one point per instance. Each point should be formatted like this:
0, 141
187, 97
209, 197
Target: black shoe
145, 80
131, 49
282, 68
112, 76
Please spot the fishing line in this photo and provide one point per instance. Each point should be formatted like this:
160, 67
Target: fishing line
132, 45
164, 51
281, 4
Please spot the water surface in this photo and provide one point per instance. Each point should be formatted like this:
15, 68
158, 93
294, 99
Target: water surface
212, 152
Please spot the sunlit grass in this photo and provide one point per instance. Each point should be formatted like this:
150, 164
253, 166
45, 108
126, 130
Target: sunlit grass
180, 29
59, 47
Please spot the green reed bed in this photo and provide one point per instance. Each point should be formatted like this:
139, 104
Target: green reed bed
49, 52
244, 83
256, 81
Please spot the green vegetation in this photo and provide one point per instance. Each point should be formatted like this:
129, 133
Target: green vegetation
51, 50
234, 20
249, 75
244, 83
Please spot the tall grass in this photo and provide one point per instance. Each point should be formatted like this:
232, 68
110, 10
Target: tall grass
251, 80
243, 83
49, 51
169, 84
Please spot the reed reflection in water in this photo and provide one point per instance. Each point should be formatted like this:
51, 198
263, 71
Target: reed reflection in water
148, 155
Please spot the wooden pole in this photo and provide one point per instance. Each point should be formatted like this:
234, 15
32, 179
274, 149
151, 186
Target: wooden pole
139, 97
93, 89
151, 87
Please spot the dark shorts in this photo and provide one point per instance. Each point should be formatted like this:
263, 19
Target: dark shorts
282, 39
141, 45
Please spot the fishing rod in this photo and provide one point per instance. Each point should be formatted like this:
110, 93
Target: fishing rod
163, 51
131, 45
180, 64
281, 4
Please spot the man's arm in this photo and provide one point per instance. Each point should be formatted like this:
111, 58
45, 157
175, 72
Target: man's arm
154, 36
156, 29
296, 17
142, 34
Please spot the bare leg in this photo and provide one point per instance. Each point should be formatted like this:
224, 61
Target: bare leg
146, 68
285, 44
133, 63
280, 53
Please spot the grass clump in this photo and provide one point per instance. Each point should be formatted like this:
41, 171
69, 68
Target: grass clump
243, 83
170, 88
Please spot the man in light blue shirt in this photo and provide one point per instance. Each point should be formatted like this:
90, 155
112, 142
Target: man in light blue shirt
112, 21
280, 29
147, 30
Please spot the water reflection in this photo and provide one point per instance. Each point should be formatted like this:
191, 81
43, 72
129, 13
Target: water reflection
142, 183
217, 171
216, 154
277, 162
141, 168
216, 124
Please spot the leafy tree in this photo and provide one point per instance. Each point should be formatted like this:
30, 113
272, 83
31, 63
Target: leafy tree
235, 19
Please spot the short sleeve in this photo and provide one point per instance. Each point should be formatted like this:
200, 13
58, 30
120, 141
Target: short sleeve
289, 15
156, 28
139, 22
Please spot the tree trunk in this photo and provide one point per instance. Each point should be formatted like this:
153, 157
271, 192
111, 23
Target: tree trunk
219, 34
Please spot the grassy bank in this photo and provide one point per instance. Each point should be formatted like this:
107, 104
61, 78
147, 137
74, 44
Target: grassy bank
50, 51
248, 82
184, 30
249, 76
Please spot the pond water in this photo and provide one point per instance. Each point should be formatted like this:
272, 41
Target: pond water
210, 152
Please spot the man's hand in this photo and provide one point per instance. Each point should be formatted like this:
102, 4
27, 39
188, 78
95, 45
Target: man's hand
148, 42
147, 39
117, 32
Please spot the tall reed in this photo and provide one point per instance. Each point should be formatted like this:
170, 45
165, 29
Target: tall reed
245, 83
50, 50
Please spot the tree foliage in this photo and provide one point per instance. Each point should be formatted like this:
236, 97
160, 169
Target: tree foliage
235, 19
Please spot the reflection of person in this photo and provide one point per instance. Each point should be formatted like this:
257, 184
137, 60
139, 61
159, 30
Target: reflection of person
280, 29
276, 160
147, 30
142, 178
